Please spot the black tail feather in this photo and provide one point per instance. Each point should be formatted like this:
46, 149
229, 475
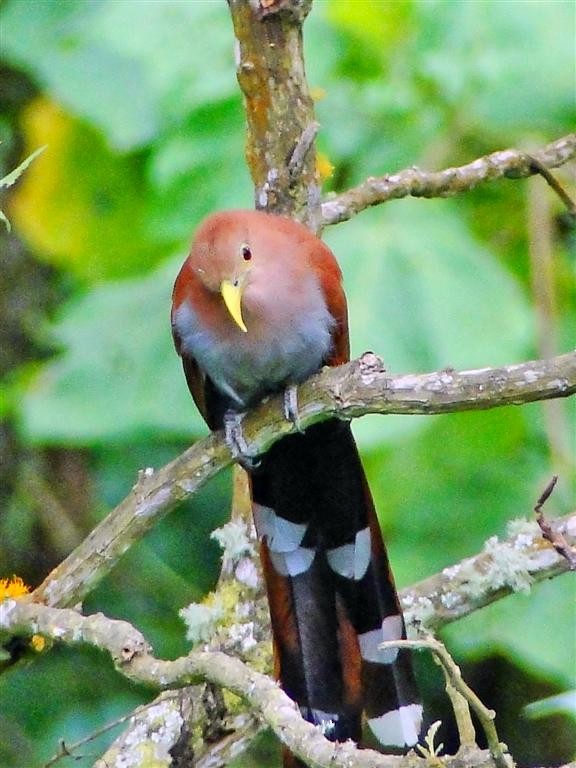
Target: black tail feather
332, 596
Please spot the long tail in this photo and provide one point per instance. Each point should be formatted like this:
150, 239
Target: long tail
332, 596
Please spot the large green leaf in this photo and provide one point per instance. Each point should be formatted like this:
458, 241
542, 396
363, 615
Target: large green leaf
117, 376
508, 65
424, 294
185, 49
128, 68
485, 66
446, 490
183, 170
81, 206
58, 43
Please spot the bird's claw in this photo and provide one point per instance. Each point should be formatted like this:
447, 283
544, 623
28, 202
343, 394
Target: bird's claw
291, 406
234, 438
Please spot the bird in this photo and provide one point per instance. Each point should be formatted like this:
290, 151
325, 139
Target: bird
258, 307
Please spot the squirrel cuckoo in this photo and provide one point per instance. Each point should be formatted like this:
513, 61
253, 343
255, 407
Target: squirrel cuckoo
258, 306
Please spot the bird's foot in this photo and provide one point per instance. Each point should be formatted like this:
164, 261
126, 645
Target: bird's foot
291, 406
236, 442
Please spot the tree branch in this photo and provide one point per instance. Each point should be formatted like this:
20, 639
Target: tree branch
270, 72
503, 567
131, 654
508, 163
153, 734
347, 392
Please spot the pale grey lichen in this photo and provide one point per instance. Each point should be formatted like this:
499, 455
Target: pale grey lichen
148, 740
201, 621
247, 573
523, 528
418, 610
244, 609
6, 608
450, 599
452, 571
506, 566
530, 376
234, 540
243, 636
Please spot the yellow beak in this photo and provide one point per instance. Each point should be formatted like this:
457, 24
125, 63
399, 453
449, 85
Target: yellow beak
232, 295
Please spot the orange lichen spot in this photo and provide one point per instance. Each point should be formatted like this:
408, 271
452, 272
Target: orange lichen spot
13, 587
38, 643
324, 166
317, 93
16, 588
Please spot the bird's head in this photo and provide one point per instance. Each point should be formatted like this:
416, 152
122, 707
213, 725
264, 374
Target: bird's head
222, 258
263, 271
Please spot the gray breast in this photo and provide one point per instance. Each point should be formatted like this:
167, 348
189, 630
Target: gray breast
247, 366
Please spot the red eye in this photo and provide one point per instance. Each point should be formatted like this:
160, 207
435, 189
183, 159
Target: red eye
246, 253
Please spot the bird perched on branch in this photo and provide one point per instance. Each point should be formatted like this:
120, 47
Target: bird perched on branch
258, 306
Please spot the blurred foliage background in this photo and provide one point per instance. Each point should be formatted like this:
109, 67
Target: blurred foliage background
138, 104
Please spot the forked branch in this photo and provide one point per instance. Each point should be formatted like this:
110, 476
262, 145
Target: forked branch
414, 182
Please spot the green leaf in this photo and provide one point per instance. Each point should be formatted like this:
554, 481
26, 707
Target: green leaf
424, 294
184, 163
453, 485
564, 703
185, 49
479, 61
535, 631
130, 71
59, 44
118, 376
83, 206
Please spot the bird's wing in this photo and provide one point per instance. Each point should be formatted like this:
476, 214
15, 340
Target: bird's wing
330, 277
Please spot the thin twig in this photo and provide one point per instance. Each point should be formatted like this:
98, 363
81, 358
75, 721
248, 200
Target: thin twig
67, 750
454, 675
554, 536
553, 182
464, 724
545, 495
